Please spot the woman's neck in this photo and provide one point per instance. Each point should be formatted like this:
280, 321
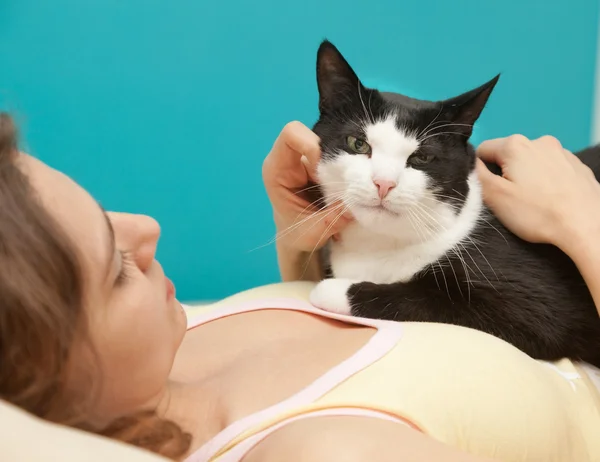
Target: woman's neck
195, 408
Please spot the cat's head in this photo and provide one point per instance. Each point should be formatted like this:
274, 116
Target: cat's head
394, 161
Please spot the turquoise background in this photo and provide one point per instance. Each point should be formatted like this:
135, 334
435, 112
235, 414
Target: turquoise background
168, 107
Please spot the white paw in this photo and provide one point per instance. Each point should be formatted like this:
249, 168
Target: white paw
331, 295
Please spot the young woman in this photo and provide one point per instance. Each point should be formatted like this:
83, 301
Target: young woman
91, 334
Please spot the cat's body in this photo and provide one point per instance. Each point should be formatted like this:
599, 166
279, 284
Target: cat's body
424, 247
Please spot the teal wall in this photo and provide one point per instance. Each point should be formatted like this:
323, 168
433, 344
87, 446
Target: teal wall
168, 107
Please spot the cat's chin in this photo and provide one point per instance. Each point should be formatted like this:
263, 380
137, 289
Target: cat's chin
377, 212
379, 219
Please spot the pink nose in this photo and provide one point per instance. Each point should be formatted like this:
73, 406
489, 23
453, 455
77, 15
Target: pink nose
384, 187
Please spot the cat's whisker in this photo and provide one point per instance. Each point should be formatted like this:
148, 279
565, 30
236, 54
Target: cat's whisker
316, 186
423, 132
423, 208
470, 256
325, 232
316, 205
417, 228
459, 193
281, 234
495, 229
466, 269
357, 125
437, 127
459, 255
480, 270
429, 227
484, 257
445, 281
440, 134
454, 272
430, 265
370, 111
363, 103
481, 217
324, 212
417, 216
432, 231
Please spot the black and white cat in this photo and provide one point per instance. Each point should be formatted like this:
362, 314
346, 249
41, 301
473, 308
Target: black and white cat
423, 246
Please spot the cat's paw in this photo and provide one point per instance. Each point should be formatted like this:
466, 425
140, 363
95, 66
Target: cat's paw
332, 295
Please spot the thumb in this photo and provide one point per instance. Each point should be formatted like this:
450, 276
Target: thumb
297, 140
492, 151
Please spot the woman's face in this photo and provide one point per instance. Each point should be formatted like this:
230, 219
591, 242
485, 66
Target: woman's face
135, 323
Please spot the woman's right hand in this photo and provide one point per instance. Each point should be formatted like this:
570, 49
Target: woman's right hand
545, 194
302, 226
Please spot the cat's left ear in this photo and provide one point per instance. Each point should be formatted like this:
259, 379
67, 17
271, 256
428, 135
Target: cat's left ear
465, 109
337, 81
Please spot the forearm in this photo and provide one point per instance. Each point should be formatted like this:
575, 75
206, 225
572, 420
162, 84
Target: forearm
295, 265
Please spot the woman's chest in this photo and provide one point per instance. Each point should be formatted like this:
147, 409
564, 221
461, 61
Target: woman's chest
254, 360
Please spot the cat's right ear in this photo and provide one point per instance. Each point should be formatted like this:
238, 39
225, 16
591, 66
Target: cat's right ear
336, 80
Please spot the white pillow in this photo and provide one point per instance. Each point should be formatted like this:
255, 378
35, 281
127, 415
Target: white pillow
26, 438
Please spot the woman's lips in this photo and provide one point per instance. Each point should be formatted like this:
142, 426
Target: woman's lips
170, 288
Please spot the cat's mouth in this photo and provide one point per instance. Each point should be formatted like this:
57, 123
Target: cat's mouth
381, 208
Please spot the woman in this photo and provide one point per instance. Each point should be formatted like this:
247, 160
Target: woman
91, 334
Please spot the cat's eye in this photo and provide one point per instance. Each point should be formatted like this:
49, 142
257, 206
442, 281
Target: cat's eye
358, 146
420, 159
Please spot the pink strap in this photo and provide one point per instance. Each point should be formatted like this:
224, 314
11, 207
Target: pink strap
238, 452
292, 304
387, 336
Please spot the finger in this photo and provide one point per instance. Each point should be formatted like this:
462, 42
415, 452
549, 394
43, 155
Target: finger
549, 143
327, 222
296, 141
489, 180
501, 150
490, 150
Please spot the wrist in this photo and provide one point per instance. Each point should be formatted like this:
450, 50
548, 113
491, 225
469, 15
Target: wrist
580, 242
295, 264
290, 252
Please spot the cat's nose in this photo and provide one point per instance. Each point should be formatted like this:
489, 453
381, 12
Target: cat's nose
384, 187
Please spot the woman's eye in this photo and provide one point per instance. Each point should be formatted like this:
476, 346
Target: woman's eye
357, 145
125, 269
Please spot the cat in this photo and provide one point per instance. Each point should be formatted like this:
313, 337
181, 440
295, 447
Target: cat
423, 246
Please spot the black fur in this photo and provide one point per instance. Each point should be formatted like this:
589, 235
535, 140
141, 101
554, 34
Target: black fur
530, 295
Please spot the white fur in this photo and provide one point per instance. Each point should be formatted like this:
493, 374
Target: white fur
413, 230
330, 295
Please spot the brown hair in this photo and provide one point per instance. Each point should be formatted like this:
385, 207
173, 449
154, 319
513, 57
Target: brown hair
42, 312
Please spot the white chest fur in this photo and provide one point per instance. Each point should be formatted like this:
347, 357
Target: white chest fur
365, 255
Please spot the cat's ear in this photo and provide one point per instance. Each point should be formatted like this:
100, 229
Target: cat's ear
336, 80
465, 109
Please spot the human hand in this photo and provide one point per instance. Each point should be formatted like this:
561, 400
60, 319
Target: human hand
288, 170
545, 194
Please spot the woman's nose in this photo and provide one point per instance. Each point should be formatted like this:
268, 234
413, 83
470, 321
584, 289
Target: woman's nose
137, 234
